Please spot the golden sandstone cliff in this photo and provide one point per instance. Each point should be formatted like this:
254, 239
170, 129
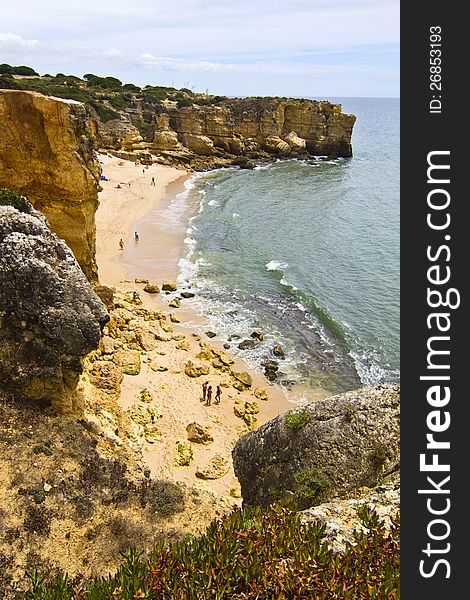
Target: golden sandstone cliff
209, 136
46, 154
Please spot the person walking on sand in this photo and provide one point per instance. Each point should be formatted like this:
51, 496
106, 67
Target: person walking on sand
121, 244
218, 393
153, 181
209, 395
204, 390
136, 236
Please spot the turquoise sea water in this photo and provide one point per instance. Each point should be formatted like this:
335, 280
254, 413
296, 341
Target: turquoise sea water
308, 252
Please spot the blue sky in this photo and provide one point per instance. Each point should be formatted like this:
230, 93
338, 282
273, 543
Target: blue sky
317, 48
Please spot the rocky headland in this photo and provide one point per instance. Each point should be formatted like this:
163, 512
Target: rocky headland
195, 130
233, 132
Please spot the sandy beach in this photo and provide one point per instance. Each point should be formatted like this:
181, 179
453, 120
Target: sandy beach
137, 205
121, 207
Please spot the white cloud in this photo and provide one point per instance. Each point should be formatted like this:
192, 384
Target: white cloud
112, 52
274, 68
11, 41
247, 42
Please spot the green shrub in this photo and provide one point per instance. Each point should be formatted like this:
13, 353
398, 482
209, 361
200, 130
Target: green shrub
182, 102
11, 198
251, 553
118, 101
21, 70
310, 489
104, 113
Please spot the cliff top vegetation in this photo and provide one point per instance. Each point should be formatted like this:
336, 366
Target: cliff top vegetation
108, 95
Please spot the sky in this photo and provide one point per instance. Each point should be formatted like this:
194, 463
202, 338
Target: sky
296, 48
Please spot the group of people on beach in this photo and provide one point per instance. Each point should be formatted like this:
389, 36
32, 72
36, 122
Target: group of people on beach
207, 394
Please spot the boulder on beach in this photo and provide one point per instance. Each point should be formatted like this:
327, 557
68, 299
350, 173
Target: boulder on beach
247, 345
175, 303
151, 288
323, 449
168, 286
243, 379
196, 369
199, 434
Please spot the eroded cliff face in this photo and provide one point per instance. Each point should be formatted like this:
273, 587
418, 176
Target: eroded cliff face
253, 128
46, 154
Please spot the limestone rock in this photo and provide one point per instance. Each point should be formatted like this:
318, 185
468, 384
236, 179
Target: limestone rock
217, 135
225, 360
183, 453
105, 375
274, 143
247, 345
175, 303
49, 315
129, 361
169, 286
323, 449
145, 414
145, 395
242, 381
260, 393
199, 144
199, 434
294, 141
174, 318
47, 154
216, 469
195, 370
166, 140
246, 411
107, 345
151, 288
341, 518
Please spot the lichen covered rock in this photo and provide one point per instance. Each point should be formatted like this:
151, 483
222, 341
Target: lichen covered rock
323, 449
50, 317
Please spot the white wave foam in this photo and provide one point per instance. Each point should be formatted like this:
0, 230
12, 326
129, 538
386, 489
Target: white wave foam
235, 215
213, 203
370, 372
288, 284
188, 269
276, 265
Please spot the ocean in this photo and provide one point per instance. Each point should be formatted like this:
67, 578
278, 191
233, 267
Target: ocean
307, 253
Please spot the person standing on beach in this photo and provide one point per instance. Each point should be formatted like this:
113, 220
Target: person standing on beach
218, 393
136, 236
204, 390
153, 181
209, 395
121, 244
